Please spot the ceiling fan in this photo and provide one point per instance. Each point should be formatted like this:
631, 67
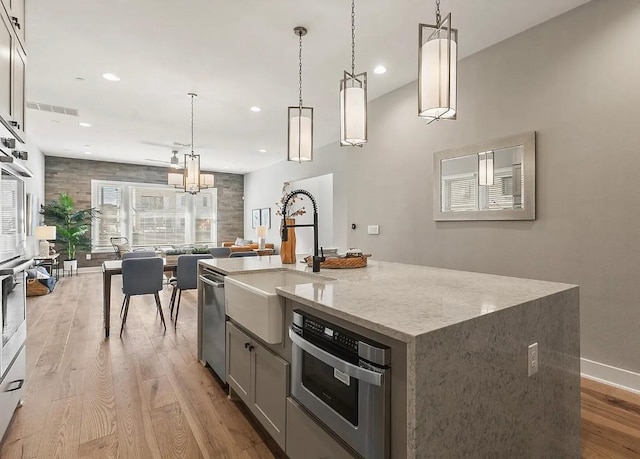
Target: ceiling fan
174, 162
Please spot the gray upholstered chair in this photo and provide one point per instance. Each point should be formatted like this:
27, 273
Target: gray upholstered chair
220, 252
186, 279
243, 254
141, 276
139, 254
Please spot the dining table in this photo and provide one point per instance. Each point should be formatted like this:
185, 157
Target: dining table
113, 268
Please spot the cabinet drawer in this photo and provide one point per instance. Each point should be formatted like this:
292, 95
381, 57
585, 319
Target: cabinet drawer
11, 390
307, 440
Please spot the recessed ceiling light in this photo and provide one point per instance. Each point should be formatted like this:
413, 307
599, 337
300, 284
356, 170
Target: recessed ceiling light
256, 109
84, 124
262, 150
110, 77
380, 69
87, 153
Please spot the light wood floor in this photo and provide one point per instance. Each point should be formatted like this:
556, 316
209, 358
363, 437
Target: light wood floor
142, 396
145, 395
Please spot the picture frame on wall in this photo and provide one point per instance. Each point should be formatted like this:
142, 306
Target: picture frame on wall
265, 217
255, 218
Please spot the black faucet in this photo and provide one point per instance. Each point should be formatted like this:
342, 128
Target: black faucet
316, 258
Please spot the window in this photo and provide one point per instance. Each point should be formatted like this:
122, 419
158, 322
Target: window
151, 215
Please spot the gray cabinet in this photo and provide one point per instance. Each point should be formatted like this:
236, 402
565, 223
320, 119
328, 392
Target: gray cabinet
12, 389
239, 362
13, 62
7, 44
307, 440
15, 10
261, 380
18, 91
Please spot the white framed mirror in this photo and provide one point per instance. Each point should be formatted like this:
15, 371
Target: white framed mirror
492, 180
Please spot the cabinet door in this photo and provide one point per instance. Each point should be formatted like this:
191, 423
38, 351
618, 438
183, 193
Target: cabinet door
239, 362
307, 440
18, 12
270, 389
6, 53
11, 389
19, 66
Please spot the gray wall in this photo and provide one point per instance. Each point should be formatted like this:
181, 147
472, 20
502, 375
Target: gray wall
576, 81
74, 176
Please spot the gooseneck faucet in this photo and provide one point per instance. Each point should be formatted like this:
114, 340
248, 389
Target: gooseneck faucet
316, 258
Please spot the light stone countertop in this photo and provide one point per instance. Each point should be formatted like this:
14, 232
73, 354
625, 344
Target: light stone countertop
399, 300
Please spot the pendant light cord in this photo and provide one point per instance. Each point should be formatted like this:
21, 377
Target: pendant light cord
438, 17
300, 71
353, 38
192, 96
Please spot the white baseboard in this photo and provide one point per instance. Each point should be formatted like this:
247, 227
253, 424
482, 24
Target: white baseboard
624, 379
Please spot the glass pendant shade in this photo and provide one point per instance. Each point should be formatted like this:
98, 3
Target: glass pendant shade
192, 173
353, 109
485, 168
437, 71
300, 145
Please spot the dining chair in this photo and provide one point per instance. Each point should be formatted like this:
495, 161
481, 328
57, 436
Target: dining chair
142, 276
243, 254
220, 252
186, 279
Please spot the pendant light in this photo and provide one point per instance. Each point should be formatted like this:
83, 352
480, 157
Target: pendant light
437, 69
353, 98
486, 170
191, 180
300, 118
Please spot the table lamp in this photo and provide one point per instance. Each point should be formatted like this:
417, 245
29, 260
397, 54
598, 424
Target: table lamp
261, 232
45, 233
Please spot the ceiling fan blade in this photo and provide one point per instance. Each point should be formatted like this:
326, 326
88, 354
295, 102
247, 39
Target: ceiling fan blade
157, 161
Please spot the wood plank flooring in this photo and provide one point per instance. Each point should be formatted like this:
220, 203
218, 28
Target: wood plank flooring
146, 396
142, 396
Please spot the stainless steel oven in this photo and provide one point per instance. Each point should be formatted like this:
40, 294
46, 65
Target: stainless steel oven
343, 379
14, 310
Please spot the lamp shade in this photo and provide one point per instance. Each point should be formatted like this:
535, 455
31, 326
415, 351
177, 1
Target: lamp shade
353, 109
300, 134
206, 180
437, 71
176, 179
485, 168
45, 232
261, 231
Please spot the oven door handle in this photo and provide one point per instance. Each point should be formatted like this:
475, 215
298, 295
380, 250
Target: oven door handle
362, 374
16, 269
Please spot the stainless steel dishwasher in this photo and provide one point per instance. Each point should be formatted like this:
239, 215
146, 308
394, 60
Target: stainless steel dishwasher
213, 323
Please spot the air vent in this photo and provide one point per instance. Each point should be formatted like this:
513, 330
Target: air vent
53, 109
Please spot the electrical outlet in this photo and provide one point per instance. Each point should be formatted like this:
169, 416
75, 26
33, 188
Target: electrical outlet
87, 256
533, 359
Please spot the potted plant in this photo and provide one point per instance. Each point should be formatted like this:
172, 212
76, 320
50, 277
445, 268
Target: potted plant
288, 247
72, 226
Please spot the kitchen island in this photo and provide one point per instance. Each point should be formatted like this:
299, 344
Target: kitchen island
460, 351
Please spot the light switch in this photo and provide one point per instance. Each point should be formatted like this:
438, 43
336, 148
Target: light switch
373, 229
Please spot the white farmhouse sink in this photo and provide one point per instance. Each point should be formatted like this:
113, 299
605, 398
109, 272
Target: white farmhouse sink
251, 300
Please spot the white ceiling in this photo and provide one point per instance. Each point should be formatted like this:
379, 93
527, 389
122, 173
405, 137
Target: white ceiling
235, 54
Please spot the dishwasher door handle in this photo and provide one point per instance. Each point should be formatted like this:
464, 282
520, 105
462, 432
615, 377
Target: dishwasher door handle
211, 282
362, 374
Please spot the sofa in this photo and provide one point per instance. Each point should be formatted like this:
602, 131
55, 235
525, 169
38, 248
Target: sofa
246, 247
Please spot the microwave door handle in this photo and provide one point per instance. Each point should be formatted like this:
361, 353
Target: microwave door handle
362, 374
